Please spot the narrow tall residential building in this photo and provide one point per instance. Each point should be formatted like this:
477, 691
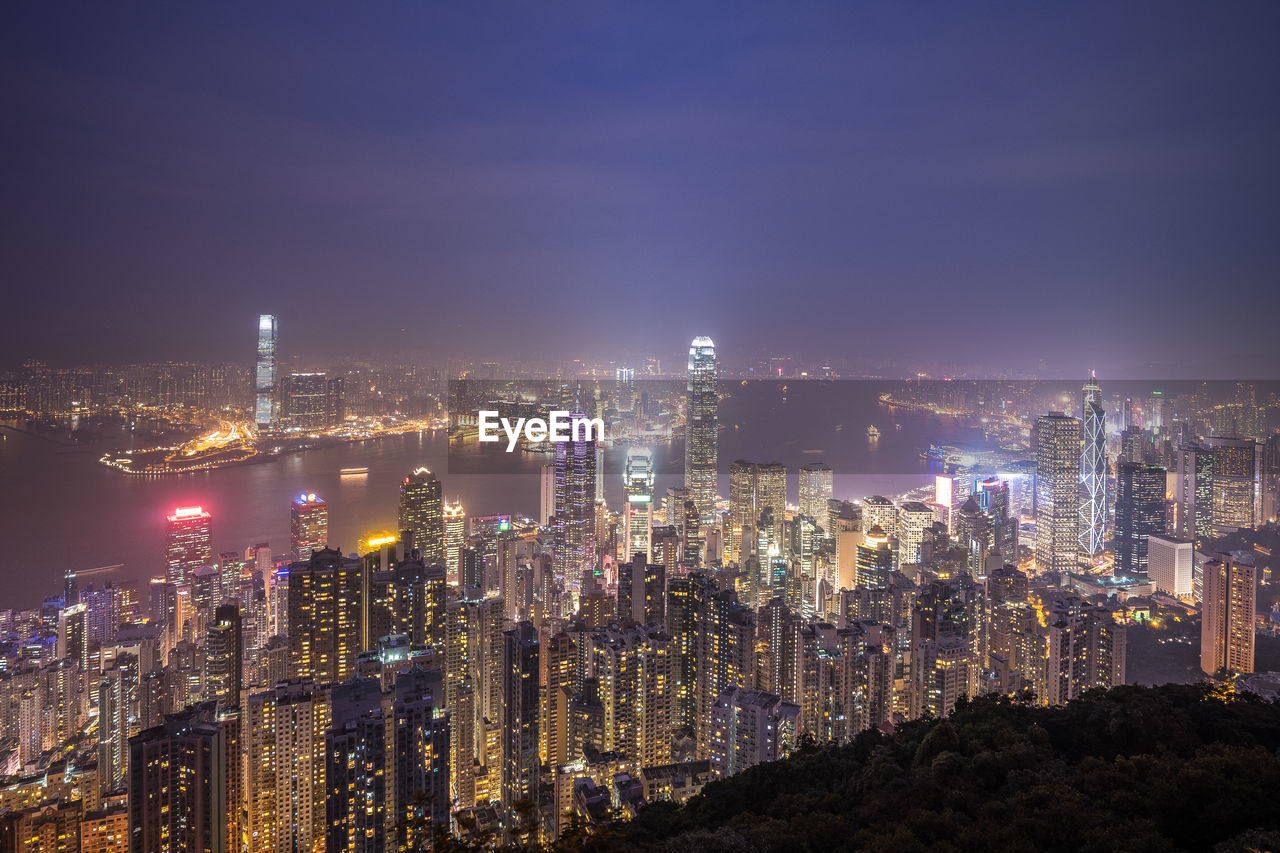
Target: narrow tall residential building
701, 432
753, 488
422, 515
1226, 616
1087, 649
1057, 491
283, 730
520, 705
178, 782
750, 727
325, 603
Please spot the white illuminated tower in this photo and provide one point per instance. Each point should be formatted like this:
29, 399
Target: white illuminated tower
701, 429
1093, 471
637, 481
267, 407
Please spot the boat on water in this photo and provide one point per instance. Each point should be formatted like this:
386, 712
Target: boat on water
350, 472
873, 431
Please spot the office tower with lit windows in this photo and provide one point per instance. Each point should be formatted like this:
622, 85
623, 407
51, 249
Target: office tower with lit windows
1140, 514
875, 560
267, 406
1236, 494
455, 538
1194, 492
325, 603
1057, 491
422, 515
879, 511
753, 487
637, 487
223, 664
817, 487
1086, 650
625, 389
283, 731
1229, 596
641, 591
520, 704
914, 518
188, 542
994, 499
701, 431
178, 785
1093, 470
308, 525
574, 521
546, 494
310, 402
1170, 564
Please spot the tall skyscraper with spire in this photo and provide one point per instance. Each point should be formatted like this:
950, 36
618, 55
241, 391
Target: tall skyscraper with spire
267, 406
1093, 470
701, 429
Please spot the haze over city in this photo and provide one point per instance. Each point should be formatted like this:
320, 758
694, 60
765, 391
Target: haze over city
991, 185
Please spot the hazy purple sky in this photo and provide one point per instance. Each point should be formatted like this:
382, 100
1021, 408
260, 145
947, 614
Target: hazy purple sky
1096, 184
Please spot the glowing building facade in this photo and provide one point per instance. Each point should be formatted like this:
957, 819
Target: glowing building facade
188, 542
637, 482
267, 406
422, 515
1057, 491
701, 429
308, 525
1093, 471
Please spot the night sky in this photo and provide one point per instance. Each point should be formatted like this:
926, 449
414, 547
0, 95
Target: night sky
1094, 184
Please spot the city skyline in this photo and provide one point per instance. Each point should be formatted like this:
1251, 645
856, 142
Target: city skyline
620, 427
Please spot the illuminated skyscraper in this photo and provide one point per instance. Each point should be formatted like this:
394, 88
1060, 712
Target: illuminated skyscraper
189, 542
178, 785
325, 610
267, 407
455, 538
223, 664
520, 705
574, 523
753, 487
1237, 463
1139, 514
422, 515
1194, 492
1227, 613
308, 525
1093, 471
309, 401
1057, 491
283, 731
626, 389
701, 436
816, 489
637, 484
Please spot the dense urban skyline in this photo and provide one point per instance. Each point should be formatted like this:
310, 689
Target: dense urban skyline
916, 175
621, 427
